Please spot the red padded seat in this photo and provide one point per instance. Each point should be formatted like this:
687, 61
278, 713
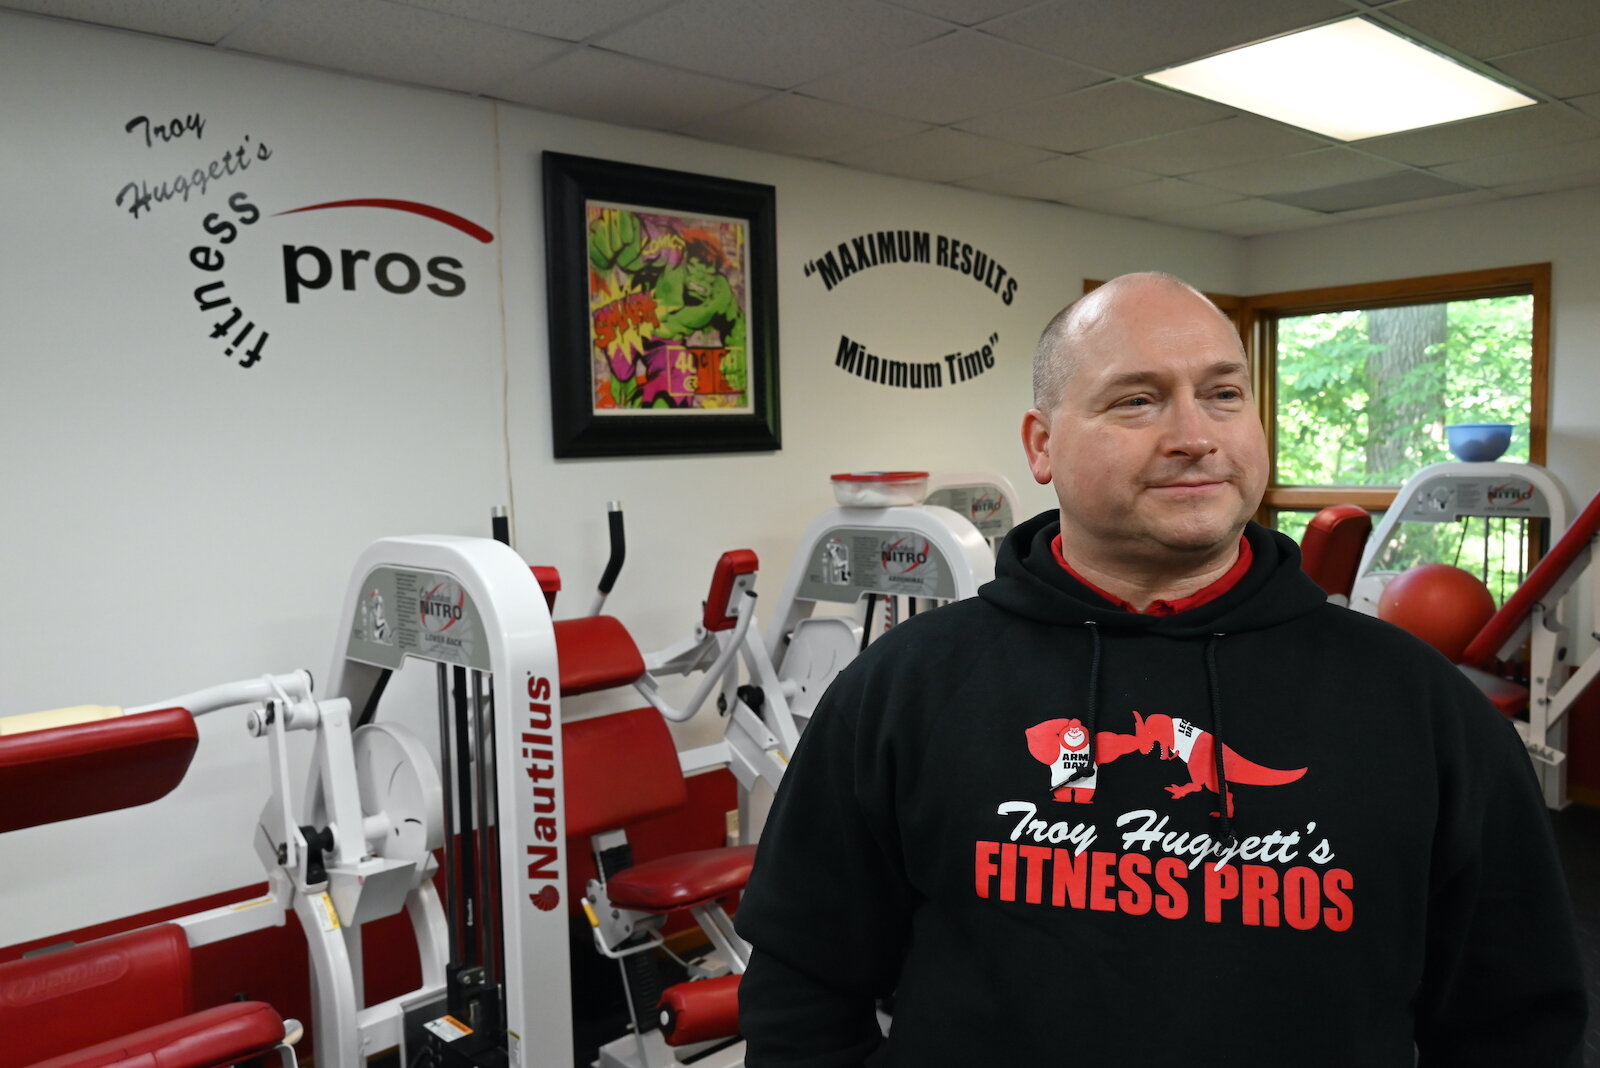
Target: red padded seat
1511, 698
700, 1011
682, 881
596, 653
213, 1038
63, 773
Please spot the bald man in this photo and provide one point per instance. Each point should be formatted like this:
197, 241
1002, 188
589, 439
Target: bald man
1149, 798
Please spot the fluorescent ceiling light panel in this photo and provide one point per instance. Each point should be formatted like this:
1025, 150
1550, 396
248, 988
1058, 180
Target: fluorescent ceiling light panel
1348, 80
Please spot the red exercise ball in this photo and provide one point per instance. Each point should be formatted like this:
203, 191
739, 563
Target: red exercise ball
1443, 605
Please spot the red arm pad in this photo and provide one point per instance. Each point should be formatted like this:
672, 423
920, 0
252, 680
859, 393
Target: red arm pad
85, 995
550, 582
66, 772
1331, 550
1485, 648
700, 1011
731, 566
214, 1038
596, 653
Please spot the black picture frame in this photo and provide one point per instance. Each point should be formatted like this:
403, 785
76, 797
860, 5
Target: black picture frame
580, 427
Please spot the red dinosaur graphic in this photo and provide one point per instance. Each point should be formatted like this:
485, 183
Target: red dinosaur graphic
1182, 740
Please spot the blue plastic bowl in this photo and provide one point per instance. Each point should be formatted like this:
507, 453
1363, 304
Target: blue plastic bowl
1478, 442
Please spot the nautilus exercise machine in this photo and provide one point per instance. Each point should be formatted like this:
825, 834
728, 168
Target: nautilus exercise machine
1540, 707
877, 556
127, 999
1525, 496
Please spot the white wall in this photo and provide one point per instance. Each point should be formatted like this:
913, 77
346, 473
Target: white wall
173, 520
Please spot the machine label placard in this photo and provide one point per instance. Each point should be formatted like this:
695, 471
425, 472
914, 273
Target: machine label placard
1450, 497
848, 562
984, 505
425, 614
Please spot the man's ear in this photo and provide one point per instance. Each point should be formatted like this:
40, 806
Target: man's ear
1036, 444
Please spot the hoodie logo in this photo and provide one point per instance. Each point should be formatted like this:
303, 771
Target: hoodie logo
1062, 744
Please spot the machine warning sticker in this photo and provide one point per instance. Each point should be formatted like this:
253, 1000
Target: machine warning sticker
327, 915
448, 1028
985, 506
849, 562
424, 614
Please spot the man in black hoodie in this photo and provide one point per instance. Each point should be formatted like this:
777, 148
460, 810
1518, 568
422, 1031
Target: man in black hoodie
1149, 799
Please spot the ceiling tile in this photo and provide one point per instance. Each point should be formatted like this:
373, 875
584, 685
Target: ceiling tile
773, 42
188, 20
1295, 174
1235, 213
1057, 179
801, 126
1092, 118
1527, 165
1389, 189
1551, 185
1153, 198
1562, 70
549, 18
966, 12
1485, 28
1544, 124
1589, 105
954, 77
1453, 200
607, 87
388, 41
940, 156
1138, 36
1209, 146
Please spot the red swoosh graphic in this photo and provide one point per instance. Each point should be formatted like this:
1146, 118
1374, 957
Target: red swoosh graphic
427, 211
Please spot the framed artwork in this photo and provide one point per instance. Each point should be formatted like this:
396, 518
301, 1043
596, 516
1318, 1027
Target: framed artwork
663, 310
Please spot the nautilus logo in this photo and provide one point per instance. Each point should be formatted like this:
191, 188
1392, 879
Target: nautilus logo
904, 555
1510, 493
442, 607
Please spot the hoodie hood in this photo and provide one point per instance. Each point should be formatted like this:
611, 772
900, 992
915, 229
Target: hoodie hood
1029, 582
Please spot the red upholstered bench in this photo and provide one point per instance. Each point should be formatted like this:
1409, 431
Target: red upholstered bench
123, 1001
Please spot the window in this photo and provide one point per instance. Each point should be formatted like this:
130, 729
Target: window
1358, 382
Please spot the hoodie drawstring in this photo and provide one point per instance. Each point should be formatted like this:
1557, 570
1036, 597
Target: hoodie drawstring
1093, 700
1214, 690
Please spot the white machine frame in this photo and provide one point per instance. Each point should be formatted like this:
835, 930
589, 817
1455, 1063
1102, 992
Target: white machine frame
1446, 492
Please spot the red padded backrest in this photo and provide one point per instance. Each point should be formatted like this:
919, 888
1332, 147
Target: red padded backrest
66, 772
619, 769
1331, 550
596, 653
730, 566
72, 998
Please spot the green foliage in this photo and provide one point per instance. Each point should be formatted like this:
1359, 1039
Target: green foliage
1327, 420
1325, 410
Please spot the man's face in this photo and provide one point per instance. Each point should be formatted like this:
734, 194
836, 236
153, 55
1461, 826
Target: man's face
1155, 447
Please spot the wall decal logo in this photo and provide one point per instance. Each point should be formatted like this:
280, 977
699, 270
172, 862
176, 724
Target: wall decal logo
863, 252
306, 267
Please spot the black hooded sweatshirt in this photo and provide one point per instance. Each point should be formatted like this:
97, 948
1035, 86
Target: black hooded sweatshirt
1006, 814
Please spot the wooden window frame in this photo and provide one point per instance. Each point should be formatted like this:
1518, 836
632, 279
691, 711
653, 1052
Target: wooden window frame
1257, 319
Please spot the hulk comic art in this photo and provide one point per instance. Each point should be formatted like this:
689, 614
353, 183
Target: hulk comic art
668, 311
